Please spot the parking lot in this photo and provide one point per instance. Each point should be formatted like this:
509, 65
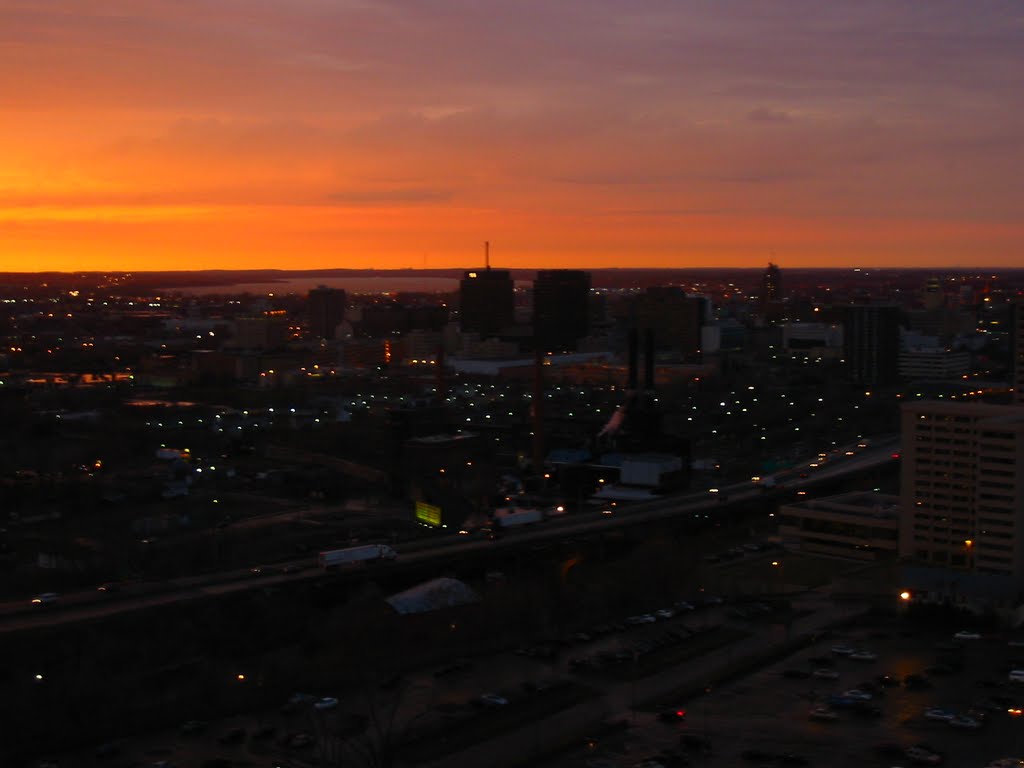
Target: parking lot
765, 715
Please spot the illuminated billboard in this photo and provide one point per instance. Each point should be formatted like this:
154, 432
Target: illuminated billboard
428, 514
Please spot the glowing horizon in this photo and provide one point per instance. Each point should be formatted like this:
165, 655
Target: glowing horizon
360, 134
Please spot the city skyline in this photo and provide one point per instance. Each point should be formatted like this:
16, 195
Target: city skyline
371, 134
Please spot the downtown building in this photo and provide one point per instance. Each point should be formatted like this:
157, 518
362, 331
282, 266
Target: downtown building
871, 343
561, 309
486, 301
1017, 350
325, 311
962, 496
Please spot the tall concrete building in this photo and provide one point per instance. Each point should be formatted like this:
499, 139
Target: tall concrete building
871, 343
325, 309
771, 284
1017, 350
675, 318
486, 301
561, 308
962, 487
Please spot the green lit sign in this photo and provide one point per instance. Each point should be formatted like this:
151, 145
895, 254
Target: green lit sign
428, 513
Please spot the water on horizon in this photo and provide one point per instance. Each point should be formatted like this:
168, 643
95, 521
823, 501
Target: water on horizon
351, 284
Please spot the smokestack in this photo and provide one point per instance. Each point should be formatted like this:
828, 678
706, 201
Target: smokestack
487, 254
649, 359
633, 344
537, 411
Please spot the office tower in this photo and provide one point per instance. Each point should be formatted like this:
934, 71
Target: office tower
1017, 350
771, 284
561, 308
932, 293
486, 301
962, 489
871, 343
675, 318
260, 333
326, 311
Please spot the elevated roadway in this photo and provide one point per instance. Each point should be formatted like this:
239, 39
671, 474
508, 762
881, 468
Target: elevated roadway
92, 605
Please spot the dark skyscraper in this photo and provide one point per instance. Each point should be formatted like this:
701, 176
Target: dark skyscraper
561, 308
326, 310
871, 343
771, 284
486, 301
675, 318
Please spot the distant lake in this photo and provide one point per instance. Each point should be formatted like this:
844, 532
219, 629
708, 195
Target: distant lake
303, 285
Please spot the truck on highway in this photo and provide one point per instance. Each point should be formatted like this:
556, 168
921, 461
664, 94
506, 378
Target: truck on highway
511, 517
367, 553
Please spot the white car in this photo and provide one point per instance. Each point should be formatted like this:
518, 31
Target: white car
327, 702
939, 714
664, 613
965, 635
842, 650
825, 674
863, 655
492, 700
857, 694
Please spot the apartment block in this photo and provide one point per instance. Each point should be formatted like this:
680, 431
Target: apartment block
962, 488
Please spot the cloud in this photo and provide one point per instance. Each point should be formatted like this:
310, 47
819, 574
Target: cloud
768, 115
406, 195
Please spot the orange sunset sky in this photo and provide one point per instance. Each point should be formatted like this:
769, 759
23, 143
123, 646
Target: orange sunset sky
189, 134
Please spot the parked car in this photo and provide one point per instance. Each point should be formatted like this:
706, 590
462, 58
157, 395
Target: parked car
916, 682
298, 740
966, 635
491, 700
922, 756
862, 655
232, 736
857, 695
325, 703
672, 715
822, 713
936, 713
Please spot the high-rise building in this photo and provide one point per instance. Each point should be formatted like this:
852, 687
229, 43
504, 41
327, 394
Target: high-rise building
675, 318
486, 301
561, 308
871, 343
1017, 350
771, 284
962, 488
325, 308
260, 333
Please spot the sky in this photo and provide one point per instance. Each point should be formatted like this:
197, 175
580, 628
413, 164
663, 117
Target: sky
261, 134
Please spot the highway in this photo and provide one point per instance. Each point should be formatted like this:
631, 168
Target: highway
92, 605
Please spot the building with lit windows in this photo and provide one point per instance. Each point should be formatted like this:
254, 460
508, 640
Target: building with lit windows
860, 525
1017, 350
486, 301
771, 284
962, 489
